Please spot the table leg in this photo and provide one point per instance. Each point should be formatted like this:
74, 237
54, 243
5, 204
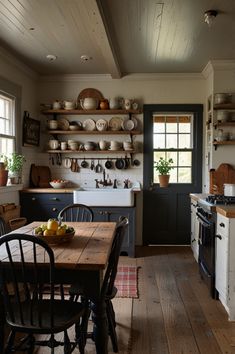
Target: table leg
100, 330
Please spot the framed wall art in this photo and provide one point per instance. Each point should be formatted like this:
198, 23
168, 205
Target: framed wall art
31, 131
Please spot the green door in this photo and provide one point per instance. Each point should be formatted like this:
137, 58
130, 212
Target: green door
171, 131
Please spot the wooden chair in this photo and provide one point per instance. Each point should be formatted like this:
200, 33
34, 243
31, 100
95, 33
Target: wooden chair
76, 212
27, 310
3, 227
108, 290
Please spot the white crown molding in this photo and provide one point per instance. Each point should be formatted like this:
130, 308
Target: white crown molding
129, 77
208, 70
7, 56
75, 77
223, 64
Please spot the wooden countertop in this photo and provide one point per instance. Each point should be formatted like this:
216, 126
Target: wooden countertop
53, 190
197, 196
47, 190
226, 210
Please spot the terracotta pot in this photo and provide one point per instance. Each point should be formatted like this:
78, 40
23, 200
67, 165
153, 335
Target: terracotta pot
164, 180
3, 177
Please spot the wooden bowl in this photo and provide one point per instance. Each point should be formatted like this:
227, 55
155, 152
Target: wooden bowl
57, 239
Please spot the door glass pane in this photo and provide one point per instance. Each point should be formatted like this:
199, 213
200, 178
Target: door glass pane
185, 158
184, 141
173, 175
184, 127
171, 127
172, 155
184, 175
159, 141
159, 127
171, 141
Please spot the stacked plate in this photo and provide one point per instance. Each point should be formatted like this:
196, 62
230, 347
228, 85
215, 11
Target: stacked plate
115, 123
89, 125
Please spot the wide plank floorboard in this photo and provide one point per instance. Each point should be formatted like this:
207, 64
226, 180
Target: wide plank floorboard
174, 313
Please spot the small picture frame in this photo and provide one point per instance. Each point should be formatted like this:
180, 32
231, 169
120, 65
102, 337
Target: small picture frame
31, 131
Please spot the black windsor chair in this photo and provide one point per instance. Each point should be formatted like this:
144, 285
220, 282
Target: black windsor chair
27, 310
3, 227
108, 290
76, 212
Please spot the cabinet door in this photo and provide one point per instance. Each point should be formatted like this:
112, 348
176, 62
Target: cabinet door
43, 206
194, 229
113, 214
221, 266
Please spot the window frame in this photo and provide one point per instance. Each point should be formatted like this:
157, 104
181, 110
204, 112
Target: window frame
177, 116
12, 90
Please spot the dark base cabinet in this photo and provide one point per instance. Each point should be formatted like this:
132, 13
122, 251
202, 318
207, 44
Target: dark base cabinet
113, 214
43, 206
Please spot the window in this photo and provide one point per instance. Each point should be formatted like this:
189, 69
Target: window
7, 124
173, 138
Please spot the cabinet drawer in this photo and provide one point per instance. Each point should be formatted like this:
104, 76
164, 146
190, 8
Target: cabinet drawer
43, 206
222, 225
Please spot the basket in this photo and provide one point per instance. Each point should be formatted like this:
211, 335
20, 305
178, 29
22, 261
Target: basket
17, 223
57, 239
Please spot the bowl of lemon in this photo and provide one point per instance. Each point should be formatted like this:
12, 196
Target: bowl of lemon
54, 232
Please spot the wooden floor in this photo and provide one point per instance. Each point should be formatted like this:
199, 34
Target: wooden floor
174, 313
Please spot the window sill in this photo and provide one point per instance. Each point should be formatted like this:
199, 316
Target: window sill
11, 188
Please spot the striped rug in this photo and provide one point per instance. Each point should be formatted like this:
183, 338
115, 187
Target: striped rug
127, 282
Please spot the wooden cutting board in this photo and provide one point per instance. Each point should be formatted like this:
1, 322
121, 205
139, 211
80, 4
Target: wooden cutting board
40, 176
224, 174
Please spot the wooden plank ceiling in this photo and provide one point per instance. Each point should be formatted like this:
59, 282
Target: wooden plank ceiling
120, 37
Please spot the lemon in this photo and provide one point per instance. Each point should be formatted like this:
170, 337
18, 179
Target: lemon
60, 231
49, 232
52, 224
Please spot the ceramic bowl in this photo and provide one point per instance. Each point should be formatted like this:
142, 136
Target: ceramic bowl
89, 146
58, 185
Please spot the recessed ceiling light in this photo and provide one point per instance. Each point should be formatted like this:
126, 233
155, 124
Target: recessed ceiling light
85, 57
209, 16
51, 57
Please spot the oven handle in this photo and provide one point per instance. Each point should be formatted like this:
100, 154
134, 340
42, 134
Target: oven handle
202, 221
205, 270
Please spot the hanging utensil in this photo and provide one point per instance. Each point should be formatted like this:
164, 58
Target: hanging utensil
92, 165
98, 167
77, 169
84, 163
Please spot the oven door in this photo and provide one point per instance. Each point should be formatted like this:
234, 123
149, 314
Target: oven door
206, 258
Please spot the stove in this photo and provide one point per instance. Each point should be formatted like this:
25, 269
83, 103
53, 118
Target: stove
220, 199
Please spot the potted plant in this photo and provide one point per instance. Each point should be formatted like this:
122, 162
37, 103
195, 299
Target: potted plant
163, 166
14, 164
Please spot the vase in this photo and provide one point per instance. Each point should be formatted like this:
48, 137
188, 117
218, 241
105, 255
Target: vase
164, 180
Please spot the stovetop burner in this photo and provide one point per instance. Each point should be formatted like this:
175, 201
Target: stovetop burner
220, 199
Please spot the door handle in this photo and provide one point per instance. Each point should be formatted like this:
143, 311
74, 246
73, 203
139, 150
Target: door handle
151, 186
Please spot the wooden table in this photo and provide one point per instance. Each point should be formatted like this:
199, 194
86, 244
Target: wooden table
83, 260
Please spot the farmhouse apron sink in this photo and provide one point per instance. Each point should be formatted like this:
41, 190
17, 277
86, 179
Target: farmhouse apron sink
104, 197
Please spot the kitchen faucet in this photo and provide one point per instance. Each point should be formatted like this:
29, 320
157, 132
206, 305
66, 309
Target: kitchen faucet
105, 182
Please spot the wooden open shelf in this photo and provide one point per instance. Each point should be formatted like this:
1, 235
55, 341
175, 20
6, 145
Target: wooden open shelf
224, 106
94, 132
91, 151
90, 112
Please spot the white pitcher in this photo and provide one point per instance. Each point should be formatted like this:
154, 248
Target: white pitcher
89, 103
